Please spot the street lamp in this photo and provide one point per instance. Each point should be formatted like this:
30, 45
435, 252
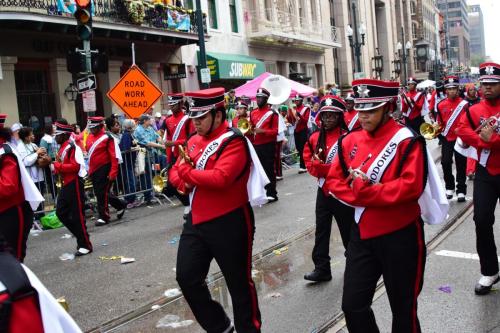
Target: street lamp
403, 54
378, 64
354, 37
397, 66
71, 92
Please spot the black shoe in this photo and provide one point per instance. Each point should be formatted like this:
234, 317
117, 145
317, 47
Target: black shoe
317, 276
119, 213
480, 289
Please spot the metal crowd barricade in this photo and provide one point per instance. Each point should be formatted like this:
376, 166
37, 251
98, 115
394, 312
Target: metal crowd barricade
135, 179
288, 150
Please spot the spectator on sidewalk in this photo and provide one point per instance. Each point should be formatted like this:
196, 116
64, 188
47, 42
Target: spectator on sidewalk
147, 137
50, 146
128, 147
31, 155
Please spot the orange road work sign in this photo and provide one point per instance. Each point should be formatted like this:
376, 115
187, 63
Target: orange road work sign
135, 93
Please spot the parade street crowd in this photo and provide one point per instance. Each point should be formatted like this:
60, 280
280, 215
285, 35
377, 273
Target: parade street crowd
222, 154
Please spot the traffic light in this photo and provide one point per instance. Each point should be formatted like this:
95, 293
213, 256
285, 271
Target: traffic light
83, 15
75, 62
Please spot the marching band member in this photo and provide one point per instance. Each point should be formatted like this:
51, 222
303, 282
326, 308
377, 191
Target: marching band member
449, 112
70, 166
241, 113
381, 171
302, 113
350, 115
412, 104
319, 152
479, 128
472, 97
19, 196
103, 169
215, 171
265, 131
178, 127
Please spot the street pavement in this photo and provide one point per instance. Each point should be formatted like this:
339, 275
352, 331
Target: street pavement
103, 293
101, 290
447, 303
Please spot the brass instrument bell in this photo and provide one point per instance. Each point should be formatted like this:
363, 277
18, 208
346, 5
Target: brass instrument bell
160, 181
430, 131
244, 125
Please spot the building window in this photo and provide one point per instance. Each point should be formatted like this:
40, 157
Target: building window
414, 30
311, 72
234, 17
412, 8
188, 4
271, 67
212, 14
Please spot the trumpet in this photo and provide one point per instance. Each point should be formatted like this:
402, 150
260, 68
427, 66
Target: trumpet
492, 121
185, 156
160, 181
430, 131
245, 126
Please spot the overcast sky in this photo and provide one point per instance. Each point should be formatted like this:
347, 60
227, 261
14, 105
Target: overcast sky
491, 9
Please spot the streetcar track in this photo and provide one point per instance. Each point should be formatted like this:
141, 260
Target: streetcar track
162, 302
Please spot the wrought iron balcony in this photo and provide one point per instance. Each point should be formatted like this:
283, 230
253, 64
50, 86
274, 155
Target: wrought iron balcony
143, 15
274, 26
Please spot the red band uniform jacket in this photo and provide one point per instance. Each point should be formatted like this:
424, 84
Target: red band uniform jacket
302, 118
11, 189
270, 126
466, 131
445, 109
315, 167
222, 186
67, 168
391, 204
418, 99
171, 124
103, 154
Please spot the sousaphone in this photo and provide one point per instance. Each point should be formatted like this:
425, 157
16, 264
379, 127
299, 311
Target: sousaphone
279, 87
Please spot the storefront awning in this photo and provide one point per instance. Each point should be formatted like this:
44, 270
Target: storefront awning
224, 66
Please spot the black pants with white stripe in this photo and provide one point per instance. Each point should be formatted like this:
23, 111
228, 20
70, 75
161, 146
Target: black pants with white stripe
400, 258
486, 196
328, 207
15, 227
70, 211
102, 187
228, 239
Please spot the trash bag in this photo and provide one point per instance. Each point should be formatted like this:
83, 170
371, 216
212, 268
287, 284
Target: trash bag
50, 221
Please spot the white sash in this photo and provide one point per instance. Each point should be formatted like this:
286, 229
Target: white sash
415, 99
329, 159
179, 127
470, 152
454, 117
96, 143
31, 192
78, 158
210, 149
303, 112
483, 158
384, 158
54, 318
257, 179
353, 121
264, 118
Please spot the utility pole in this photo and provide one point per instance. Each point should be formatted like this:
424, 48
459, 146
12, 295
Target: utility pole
201, 40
